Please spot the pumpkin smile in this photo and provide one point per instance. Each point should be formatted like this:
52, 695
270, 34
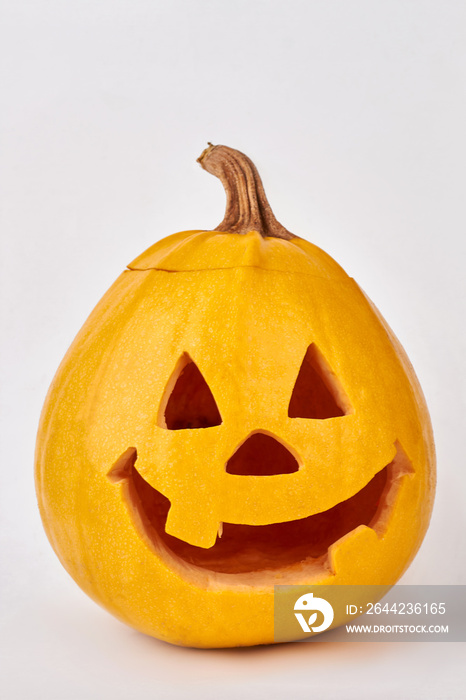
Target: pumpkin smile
252, 549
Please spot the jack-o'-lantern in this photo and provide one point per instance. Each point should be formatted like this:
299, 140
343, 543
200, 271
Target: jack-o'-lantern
234, 414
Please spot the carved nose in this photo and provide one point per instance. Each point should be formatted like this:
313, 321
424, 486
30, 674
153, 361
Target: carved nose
262, 455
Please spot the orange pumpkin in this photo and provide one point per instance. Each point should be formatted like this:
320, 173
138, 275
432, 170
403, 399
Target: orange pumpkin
234, 414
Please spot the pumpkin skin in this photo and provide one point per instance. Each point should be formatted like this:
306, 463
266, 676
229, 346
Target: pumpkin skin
245, 308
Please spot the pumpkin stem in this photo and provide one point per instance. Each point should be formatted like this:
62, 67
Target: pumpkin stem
247, 206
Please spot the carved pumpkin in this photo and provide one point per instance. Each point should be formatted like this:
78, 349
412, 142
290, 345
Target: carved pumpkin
234, 414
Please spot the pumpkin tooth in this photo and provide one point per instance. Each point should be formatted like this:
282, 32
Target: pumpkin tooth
194, 525
356, 546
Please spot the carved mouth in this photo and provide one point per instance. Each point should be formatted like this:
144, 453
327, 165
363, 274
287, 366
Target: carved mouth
261, 551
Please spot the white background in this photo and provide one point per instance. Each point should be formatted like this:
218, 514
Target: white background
355, 114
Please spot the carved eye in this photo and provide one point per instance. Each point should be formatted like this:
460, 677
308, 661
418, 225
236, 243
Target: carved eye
188, 401
317, 392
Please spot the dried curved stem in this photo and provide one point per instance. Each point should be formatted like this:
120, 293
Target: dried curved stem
247, 206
